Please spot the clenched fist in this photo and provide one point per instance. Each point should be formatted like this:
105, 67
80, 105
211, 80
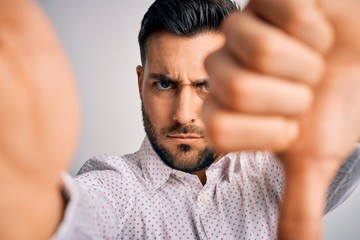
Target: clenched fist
288, 80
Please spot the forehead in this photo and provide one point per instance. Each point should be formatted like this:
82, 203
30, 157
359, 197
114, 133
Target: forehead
176, 55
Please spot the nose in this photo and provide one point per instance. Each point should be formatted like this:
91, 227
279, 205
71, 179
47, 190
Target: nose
185, 107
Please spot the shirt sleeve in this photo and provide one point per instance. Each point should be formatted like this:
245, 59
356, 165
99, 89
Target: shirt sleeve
87, 214
345, 182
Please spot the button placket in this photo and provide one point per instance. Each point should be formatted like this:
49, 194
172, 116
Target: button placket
204, 199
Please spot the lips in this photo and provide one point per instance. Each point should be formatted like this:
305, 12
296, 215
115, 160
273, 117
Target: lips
184, 138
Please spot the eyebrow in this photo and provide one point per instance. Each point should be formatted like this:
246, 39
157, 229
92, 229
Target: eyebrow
164, 77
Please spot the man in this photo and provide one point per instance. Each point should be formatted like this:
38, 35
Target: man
177, 186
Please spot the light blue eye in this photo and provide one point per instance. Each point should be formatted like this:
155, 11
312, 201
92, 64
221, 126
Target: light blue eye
203, 87
206, 87
164, 84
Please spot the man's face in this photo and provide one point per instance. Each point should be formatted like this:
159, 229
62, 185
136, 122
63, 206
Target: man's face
173, 85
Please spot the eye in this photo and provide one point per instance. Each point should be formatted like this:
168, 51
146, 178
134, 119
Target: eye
207, 86
164, 85
204, 87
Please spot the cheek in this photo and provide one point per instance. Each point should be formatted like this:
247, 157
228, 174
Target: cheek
160, 110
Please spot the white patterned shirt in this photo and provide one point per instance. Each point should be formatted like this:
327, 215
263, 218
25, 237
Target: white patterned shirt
137, 196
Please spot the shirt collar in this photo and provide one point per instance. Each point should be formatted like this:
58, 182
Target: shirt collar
155, 171
222, 168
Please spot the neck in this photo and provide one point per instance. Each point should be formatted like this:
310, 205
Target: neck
202, 173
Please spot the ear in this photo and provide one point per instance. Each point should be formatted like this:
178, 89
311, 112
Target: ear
140, 76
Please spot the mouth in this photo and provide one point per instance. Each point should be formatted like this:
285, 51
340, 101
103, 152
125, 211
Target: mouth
185, 138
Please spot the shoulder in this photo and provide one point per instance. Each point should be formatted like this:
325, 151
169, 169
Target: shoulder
109, 171
258, 162
106, 162
262, 168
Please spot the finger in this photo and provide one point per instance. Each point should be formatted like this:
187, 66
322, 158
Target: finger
229, 131
241, 90
35, 99
301, 19
344, 13
267, 49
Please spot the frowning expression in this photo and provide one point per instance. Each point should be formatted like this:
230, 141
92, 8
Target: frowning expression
173, 84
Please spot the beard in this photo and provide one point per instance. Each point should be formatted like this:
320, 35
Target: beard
185, 158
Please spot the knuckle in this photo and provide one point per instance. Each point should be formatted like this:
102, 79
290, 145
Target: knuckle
321, 32
328, 39
281, 144
299, 19
265, 50
307, 100
213, 64
318, 66
215, 130
209, 62
230, 21
241, 94
223, 131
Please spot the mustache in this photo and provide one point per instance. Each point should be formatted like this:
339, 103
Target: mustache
182, 129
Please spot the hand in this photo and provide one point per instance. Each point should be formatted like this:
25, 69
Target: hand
329, 129
314, 124
256, 85
39, 124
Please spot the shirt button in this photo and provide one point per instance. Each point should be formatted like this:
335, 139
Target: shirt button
204, 199
179, 174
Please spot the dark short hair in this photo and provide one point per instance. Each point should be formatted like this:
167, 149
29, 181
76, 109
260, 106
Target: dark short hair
184, 18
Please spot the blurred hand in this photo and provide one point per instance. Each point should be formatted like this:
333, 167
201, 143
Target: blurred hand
264, 77
39, 124
38, 103
288, 80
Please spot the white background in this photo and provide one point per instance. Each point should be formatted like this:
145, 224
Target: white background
100, 38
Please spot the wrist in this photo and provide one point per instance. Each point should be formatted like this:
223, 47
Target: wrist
307, 182
310, 170
30, 209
